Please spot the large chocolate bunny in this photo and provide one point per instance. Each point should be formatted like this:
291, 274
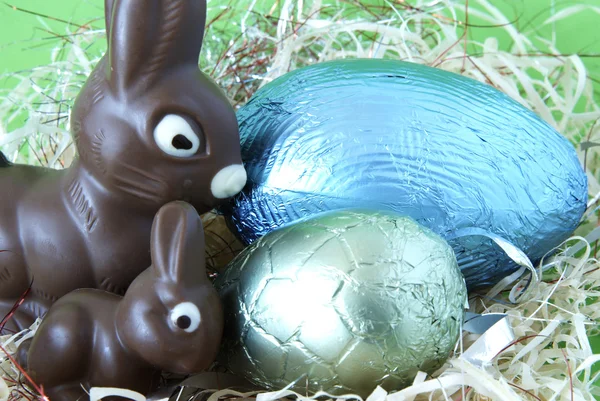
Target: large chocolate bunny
149, 128
170, 319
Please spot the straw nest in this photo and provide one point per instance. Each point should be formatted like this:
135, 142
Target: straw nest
246, 47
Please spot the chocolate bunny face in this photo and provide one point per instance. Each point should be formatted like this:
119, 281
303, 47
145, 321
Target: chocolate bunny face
150, 128
148, 124
173, 303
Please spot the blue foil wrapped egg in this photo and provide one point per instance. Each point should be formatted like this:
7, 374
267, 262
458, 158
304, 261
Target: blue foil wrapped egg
450, 152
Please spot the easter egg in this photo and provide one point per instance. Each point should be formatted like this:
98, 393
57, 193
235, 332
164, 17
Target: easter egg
452, 153
342, 302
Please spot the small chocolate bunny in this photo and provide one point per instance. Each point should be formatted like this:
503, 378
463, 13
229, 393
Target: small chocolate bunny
170, 319
149, 128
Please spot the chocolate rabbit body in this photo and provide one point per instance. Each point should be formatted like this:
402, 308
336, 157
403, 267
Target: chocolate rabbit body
150, 128
56, 249
78, 325
169, 319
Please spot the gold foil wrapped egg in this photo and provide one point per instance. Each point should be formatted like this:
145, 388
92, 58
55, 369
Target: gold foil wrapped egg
342, 302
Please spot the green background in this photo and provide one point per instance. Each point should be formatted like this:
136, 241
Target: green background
28, 35
26, 39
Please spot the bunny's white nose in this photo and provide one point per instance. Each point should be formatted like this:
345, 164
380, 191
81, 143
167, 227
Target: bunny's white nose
229, 181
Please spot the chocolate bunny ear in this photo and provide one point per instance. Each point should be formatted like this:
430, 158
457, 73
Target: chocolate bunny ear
108, 8
147, 38
177, 243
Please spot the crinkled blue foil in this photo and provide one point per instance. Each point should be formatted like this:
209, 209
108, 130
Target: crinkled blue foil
446, 150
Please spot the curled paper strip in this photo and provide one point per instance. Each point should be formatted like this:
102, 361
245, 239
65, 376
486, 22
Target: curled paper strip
18, 338
463, 374
276, 395
379, 394
4, 392
515, 254
496, 334
592, 237
97, 393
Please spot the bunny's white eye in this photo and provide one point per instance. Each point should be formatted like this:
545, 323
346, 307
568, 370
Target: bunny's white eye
176, 137
186, 316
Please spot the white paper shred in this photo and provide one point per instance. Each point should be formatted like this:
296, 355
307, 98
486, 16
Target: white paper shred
98, 393
4, 392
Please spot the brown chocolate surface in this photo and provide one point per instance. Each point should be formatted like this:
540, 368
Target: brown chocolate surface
150, 128
170, 319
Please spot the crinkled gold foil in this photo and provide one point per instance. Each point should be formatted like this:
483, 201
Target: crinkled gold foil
342, 302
